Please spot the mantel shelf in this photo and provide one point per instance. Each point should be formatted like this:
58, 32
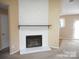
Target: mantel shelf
32, 25
19, 26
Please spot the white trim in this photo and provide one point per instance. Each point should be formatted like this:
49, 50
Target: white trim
69, 39
54, 47
11, 53
1, 49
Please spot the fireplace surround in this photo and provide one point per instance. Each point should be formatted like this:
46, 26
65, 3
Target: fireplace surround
33, 33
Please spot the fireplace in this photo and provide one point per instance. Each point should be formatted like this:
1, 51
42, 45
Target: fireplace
33, 41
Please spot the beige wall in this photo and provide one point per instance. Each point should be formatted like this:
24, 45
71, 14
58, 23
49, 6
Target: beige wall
13, 24
67, 32
54, 11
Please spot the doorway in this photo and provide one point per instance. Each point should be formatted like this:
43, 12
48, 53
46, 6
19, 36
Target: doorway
4, 29
69, 27
69, 30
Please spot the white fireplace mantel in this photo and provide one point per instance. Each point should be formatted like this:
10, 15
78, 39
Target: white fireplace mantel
33, 26
33, 20
28, 31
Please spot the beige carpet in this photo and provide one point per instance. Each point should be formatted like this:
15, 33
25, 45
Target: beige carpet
69, 49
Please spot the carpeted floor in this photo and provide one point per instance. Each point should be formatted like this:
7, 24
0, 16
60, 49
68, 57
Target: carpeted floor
69, 49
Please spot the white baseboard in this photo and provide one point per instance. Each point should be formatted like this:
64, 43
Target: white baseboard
69, 38
11, 53
2, 48
54, 47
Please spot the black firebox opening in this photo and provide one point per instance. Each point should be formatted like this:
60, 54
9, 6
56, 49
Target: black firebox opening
33, 41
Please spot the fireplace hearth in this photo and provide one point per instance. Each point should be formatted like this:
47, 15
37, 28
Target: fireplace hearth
33, 41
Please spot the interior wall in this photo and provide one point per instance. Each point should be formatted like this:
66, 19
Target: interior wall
33, 12
54, 13
13, 24
67, 32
